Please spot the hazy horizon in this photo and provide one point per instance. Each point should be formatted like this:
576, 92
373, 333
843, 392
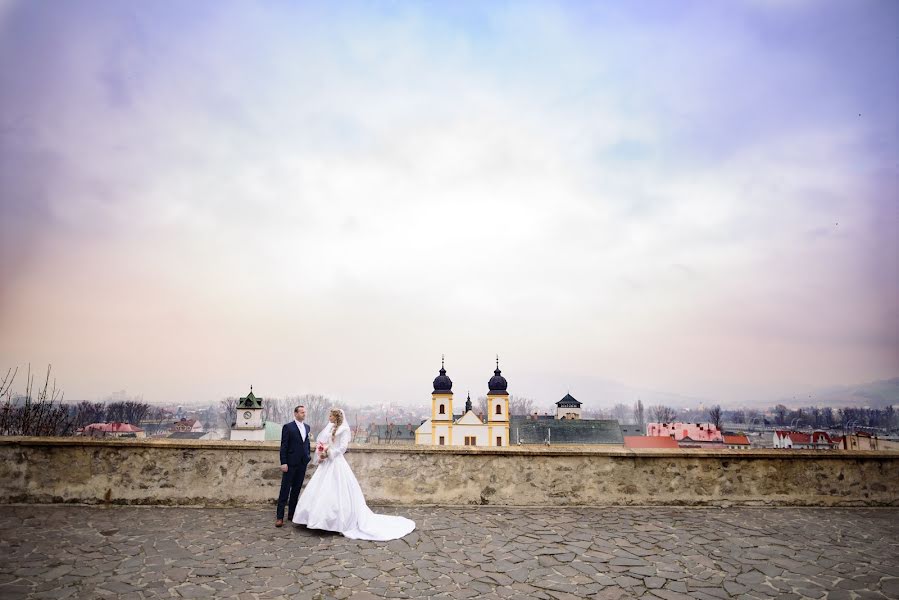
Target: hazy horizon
694, 198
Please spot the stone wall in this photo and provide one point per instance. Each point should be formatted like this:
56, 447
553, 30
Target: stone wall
189, 472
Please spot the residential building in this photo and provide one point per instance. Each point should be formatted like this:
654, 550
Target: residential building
632, 429
862, 440
391, 433
696, 432
187, 425
688, 442
111, 430
816, 440
645, 441
737, 442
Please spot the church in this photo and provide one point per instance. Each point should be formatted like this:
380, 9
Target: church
467, 429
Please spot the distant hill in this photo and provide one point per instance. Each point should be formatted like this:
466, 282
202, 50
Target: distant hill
876, 394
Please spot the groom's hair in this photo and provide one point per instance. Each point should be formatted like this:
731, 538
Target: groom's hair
298, 407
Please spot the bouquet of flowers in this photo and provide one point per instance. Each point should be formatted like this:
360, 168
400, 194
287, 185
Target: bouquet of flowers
322, 450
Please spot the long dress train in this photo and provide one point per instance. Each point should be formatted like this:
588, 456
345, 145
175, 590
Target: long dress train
333, 500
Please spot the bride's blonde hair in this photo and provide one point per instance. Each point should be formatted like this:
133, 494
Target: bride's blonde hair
338, 421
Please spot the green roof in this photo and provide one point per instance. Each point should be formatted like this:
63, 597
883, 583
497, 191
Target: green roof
250, 401
272, 431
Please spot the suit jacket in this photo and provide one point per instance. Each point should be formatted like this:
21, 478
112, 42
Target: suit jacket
294, 451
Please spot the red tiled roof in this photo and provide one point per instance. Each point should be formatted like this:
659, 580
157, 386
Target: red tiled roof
112, 428
817, 437
736, 440
649, 441
821, 437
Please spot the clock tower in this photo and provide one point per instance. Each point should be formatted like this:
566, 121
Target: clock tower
248, 424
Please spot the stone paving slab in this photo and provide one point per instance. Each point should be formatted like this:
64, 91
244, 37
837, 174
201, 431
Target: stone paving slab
53, 551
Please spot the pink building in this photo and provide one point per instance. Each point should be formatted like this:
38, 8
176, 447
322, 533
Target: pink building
645, 441
111, 430
697, 432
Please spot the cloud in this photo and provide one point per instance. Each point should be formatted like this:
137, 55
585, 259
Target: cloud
588, 190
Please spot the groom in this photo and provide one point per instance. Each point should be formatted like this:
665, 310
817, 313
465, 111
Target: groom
295, 454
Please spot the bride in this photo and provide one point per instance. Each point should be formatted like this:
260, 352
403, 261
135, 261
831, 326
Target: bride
333, 500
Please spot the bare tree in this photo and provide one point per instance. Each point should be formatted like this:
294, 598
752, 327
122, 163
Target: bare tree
519, 405
355, 426
115, 412
662, 413
753, 417
639, 414
279, 410
135, 410
29, 415
780, 414
317, 407
596, 413
89, 412
481, 407
621, 412
228, 414
715, 416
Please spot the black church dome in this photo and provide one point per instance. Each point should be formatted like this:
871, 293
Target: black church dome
497, 383
442, 383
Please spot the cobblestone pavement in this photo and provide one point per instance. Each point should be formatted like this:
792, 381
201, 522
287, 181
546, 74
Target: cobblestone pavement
670, 553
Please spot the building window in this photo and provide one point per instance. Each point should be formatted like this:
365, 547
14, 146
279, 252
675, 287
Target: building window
499, 409
499, 440
442, 410
442, 442
471, 440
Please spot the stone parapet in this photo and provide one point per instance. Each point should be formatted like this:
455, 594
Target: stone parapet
225, 473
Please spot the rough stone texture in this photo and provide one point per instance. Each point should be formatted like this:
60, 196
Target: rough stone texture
190, 472
491, 552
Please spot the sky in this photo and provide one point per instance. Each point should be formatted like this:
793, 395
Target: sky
679, 200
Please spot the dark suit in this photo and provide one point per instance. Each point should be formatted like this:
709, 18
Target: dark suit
295, 453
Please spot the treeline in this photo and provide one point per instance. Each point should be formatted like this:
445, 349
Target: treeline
280, 410
819, 417
41, 411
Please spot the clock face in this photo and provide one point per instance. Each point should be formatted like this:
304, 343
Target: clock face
247, 415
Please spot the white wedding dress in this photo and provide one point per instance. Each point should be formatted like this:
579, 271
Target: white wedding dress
333, 500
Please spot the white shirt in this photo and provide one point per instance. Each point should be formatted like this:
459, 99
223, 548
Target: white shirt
302, 427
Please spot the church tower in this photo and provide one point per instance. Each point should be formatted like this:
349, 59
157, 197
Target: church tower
497, 409
442, 409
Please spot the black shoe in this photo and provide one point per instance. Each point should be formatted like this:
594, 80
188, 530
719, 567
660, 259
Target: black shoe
290, 517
